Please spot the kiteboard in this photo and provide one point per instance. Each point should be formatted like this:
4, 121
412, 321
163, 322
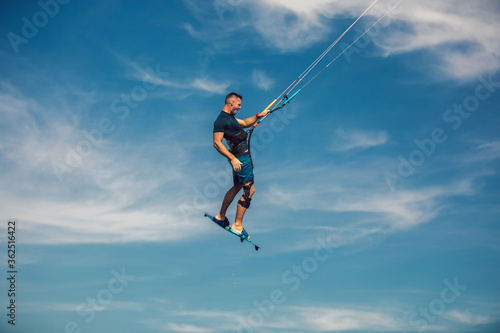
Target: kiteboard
228, 229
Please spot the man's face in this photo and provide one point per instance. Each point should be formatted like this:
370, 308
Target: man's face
235, 105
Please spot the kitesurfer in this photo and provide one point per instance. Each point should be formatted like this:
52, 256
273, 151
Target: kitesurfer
228, 127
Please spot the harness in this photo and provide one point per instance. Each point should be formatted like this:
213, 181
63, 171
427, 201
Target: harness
237, 143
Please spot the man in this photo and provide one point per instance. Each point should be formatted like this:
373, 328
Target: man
229, 127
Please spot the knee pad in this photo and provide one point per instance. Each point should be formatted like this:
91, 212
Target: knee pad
245, 203
245, 199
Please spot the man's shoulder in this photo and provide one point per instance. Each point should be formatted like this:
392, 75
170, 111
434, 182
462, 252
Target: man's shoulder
221, 122
220, 118
225, 118
225, 115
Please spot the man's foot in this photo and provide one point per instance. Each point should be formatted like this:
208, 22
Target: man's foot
223, 222
240, 231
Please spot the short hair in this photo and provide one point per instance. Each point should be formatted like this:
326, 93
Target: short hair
231, 95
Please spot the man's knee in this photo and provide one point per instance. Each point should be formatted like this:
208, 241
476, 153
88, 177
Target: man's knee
251, 188
248, 191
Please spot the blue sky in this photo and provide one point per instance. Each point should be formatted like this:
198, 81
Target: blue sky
377, 201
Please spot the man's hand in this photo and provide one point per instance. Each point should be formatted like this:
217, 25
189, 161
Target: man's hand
263, 113
236, 164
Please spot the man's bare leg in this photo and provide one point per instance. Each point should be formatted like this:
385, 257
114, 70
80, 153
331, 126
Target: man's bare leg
240, 210
228, 198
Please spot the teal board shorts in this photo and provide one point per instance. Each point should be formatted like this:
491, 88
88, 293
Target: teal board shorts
246, 172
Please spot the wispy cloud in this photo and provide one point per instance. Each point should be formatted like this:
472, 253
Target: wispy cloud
172, 327
469, 318
382, 212
358, 203
292, 25
262, 80
329, 318
356, 188
317, 317
159, 77
356, 139
281, 25
102, 199
492, 148
41, 132
333, 319
33, 307
209, 85
461, 37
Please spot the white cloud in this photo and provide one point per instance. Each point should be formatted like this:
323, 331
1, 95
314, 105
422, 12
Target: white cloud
38, 134
281, 25
359, 205
111, 196
323, 318
262, 80
209, 85
49, 307
331, 319
491, 148
288, 28
172, 327
356, 139
469, 318
395, 211
317, 317
461, 36
158, 77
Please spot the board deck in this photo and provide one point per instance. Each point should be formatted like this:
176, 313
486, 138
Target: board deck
210, 217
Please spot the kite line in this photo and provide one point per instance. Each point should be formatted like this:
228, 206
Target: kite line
284, 99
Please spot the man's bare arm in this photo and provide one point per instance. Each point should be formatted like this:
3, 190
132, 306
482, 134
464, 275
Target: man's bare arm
252, 120
219, 146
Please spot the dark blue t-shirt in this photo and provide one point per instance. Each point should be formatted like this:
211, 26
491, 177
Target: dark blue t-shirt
227, 124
